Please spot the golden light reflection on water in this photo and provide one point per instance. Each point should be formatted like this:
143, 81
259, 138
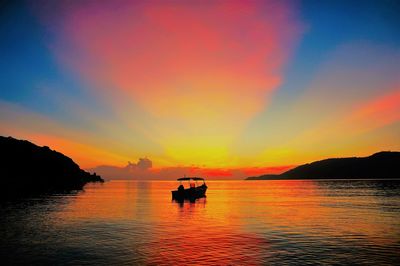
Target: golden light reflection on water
240, 222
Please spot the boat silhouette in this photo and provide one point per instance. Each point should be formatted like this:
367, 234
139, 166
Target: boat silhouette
193, 192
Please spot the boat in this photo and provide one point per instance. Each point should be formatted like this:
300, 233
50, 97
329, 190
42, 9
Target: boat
193, 192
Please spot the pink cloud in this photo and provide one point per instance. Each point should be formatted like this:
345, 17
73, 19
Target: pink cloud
379, 111
197, 70
161, 53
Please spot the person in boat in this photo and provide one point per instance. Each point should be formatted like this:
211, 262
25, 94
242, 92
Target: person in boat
192, 185
181, 188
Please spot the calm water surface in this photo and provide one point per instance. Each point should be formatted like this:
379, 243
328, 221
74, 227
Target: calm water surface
239, 223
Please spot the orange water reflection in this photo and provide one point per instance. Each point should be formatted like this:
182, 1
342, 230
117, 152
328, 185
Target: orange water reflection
237, 221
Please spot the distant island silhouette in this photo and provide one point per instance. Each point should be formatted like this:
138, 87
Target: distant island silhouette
380, 165
28, 169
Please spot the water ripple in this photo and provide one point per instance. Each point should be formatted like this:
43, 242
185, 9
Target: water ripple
239, 223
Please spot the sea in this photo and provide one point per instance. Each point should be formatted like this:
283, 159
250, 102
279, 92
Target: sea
296, 222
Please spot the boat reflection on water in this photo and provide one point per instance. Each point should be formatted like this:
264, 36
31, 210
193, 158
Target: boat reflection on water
193, 192
191, 205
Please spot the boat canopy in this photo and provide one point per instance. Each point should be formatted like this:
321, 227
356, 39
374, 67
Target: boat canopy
190, 178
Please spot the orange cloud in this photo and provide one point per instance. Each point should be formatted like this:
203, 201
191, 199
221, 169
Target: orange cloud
132, 171
267, 170
216, 172
78, 144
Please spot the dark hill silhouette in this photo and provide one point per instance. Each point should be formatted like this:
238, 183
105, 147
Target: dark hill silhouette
377, 166
29, 169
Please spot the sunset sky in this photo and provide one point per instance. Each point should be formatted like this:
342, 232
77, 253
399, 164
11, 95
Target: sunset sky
218, 88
